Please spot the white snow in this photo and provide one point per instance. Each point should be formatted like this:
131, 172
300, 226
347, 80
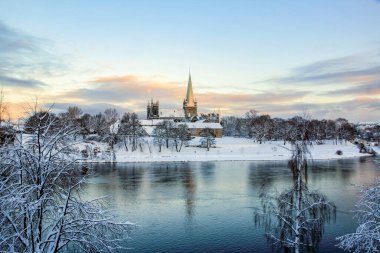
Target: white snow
226, 149
201, 125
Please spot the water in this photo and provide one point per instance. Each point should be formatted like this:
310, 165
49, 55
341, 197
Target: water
209, 206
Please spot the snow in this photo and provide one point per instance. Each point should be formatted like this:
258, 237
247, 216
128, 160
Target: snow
150, 124
114, 128
226, 149
376, 149
201, 125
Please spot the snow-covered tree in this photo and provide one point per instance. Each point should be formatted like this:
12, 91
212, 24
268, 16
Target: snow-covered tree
165, 129
98, 124
366, 238
84, 124
111, 116
159, 136
208, 138
295, 217
229, 125
41, 209
131, 129
180, 135
261, 128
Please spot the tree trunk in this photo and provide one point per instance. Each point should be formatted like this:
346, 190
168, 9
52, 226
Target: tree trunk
125, 143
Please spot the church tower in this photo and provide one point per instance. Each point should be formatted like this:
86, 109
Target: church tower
189, 103
153, 110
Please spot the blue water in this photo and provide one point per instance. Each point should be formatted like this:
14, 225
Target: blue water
209, 206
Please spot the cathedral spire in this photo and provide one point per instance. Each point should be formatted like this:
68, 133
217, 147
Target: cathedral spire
189, 94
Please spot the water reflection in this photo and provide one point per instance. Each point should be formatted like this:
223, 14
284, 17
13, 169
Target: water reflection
263, 175
207, 206
208, 171
170, 175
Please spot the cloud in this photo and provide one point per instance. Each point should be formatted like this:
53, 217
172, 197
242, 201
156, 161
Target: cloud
356, 109
370, 89
24, 59
91, 108
12, 41
133, 92
128, 88
130, 93
350, 69
16, 82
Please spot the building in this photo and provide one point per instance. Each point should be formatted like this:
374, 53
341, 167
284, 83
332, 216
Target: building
153, 110
189, 116
189, 103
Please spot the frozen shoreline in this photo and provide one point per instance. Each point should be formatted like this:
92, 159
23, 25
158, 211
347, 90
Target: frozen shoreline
227, 149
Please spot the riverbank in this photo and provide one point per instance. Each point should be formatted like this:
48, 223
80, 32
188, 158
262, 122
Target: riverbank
226, 149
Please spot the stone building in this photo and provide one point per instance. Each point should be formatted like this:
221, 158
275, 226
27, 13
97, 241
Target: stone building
196, 123
189, 103
153, 110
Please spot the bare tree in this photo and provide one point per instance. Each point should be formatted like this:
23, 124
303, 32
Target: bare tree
40, 205
165, 130
295, 218
180, 135
132, 129
159, 136
366, 238
125, 129
111, 116
261, 128
229, 124
98, 124
208, 138
4, 114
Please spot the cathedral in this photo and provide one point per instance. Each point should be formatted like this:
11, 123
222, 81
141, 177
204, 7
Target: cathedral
152, 110
189, 103
190, 110
189, 116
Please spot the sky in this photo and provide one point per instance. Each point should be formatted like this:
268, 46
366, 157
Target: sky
278, 57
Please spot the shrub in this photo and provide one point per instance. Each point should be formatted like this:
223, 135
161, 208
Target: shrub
339, 152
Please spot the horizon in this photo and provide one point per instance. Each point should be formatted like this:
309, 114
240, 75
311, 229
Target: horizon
279, 58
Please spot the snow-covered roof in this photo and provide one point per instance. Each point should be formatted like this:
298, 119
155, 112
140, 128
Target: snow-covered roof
202, 125
149, 129
373, 123
176, 113
150, 122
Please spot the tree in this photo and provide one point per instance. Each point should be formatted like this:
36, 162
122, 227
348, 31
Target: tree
180, 135
39, 119
40, 205
164, 130
3, 108
262, 128
131, 128
208, 138
74, 112
229, 124
295, 218
366, 238
124, 129
72, 116
84, 124
110, 116
159, 136
330, 130
98, 124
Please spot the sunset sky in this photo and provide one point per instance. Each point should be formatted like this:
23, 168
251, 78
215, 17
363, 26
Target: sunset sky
278, 57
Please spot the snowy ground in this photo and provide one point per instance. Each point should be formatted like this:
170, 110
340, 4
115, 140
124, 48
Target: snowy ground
226, 149
376, 150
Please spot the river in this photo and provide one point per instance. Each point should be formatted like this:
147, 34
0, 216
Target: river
209, 206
